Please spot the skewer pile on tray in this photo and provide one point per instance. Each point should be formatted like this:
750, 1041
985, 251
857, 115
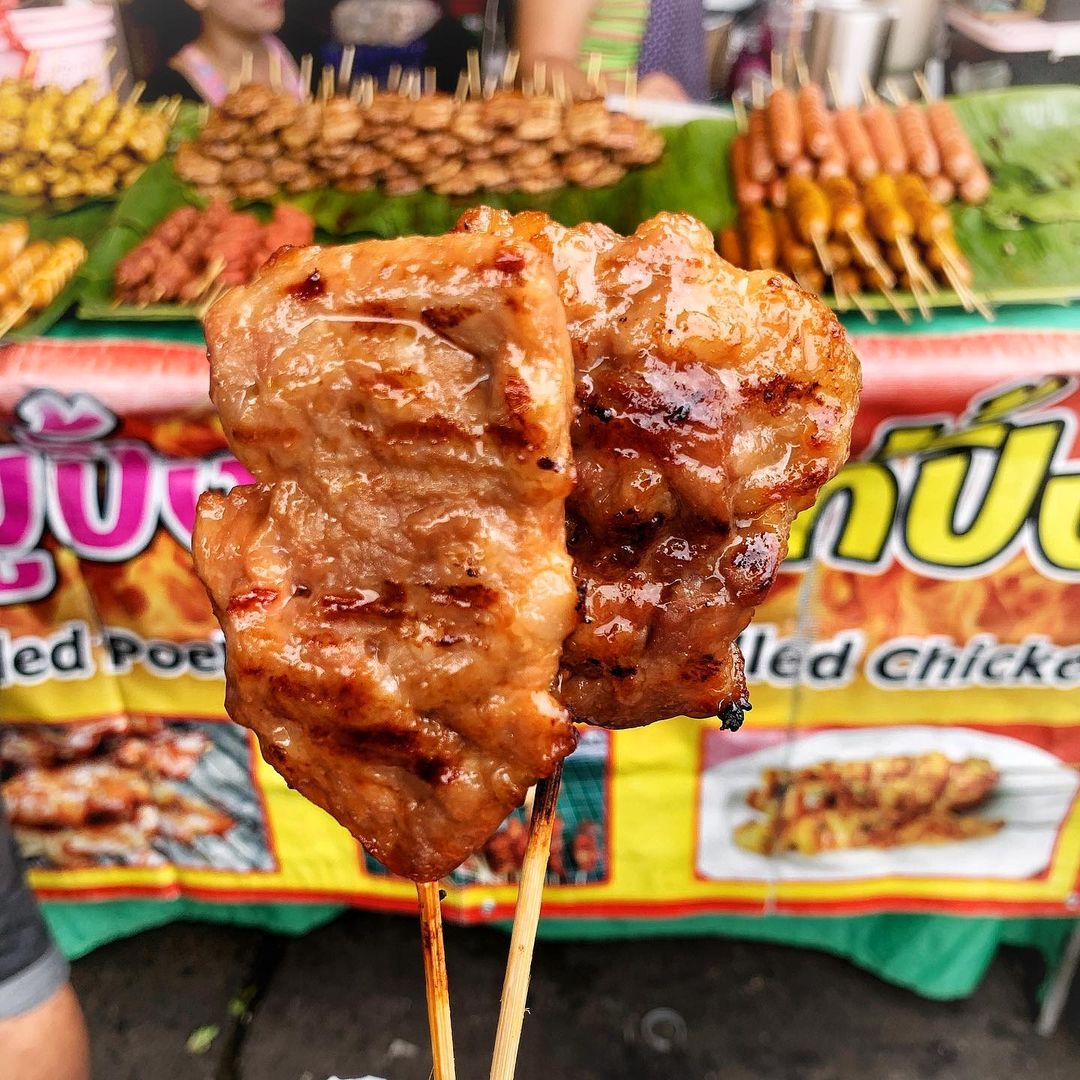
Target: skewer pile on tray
406, 137
193, 253
850, 201
32, 273
74, 144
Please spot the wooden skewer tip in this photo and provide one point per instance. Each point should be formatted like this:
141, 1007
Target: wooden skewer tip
523, 936
435, 980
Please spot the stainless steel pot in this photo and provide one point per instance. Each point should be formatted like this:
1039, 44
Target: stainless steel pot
850, 40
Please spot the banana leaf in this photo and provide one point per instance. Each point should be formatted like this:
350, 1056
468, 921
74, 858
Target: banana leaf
691, 176
677, 182
1024, 244
86, 223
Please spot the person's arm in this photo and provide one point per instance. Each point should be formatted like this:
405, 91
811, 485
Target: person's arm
551, 32
48, 1042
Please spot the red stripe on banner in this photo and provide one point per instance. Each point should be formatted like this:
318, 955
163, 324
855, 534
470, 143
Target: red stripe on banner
124, 374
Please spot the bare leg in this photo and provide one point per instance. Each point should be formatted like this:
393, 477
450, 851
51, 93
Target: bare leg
47, 1043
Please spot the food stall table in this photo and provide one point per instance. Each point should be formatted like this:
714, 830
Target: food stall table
920, 545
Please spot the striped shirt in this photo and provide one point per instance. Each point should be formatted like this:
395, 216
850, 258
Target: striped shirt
614, 32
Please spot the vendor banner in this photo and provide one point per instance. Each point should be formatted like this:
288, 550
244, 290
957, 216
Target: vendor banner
914, 742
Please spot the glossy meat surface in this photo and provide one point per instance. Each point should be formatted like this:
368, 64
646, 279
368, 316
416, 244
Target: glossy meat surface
713, 404
396, 588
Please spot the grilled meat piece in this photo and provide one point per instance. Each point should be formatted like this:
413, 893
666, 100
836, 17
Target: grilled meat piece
396, 588
713, 404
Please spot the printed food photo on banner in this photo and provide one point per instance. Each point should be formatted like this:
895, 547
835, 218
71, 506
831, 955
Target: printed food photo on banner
579, 838
584, 496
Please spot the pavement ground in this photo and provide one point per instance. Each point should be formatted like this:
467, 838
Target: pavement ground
201, 1002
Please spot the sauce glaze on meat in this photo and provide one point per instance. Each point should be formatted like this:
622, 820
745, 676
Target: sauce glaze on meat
712, 406
396, 588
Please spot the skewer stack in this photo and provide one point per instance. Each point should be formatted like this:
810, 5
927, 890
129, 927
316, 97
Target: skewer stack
855, 196
194, 253
406, 137
792, 132
75, 144
32, 274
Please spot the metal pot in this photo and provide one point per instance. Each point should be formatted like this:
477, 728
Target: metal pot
850, 40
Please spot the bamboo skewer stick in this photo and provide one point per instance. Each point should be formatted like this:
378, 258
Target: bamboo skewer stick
275, 71
348, 59
742, 125
592, 72
435, 981
913, 265
523, 937
819, 240
462, 91
630, 89
472, 60
393, 78
923, 85
327, 87
431, 81
307, 68
540, 77
776, 68
510, 68
871, 257
247, 67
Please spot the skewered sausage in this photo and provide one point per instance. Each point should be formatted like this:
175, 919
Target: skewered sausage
884, 133
976, 187
761, 165
856, 144
817, 132
729, 244
760, 237
747, 191
941, 189
785, 128
918, 139
957, 154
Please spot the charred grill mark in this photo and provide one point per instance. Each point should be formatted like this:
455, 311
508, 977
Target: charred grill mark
622, 671
405, 748
434, 428
548, 465
602, 413
265, 433
733, 713
391, 601
780, 391
335, 605
679, 415
463, 596
510, 437
301, 591
632, 530
703, 669
253, 598
375, 309
311, 288
443, 319
509, 261
516, 395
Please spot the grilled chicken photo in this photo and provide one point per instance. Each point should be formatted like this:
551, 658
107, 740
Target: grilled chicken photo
427, 583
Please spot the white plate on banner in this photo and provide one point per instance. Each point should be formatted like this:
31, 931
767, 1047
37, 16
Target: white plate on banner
1032, 796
